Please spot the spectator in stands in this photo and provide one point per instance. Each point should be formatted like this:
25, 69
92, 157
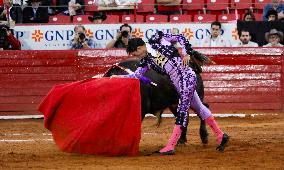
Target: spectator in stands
97, 18
11, 12
34, 13
245, 38
249, 16
215, 39
274, 37
272, 15
80, 40
7, 39
277, 5
122, 37
71, 7
168, 7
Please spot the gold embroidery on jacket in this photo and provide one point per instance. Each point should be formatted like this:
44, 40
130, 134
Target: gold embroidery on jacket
160, 59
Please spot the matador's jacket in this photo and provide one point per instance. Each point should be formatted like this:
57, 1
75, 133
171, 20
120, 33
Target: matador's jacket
165, 59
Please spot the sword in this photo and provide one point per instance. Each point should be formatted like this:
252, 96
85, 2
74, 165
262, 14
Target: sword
146, 79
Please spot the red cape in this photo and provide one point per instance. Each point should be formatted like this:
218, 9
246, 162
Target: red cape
96, 116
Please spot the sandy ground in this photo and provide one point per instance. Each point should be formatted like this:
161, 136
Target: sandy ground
256, 143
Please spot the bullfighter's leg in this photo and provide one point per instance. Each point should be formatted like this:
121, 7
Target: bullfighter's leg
205, 114
185, 81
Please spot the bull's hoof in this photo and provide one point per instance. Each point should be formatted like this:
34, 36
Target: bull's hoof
203, 136
224, 143
171, 152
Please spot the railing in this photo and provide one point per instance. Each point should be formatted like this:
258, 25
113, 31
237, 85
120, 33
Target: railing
243, 79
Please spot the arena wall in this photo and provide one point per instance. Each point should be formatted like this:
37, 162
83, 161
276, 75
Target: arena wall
242, 79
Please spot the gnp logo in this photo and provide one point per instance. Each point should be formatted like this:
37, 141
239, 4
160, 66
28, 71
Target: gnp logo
50, 35
137, 33
187, 33
235, 34
89, 33
37, 35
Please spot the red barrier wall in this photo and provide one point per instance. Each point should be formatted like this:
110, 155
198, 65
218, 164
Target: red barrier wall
243, 79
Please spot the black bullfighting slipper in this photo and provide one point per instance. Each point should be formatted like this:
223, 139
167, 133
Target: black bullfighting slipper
224, 143
170, 152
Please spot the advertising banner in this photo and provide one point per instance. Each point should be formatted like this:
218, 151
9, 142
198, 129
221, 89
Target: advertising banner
58, 37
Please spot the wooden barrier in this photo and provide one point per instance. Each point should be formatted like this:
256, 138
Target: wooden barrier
243, 79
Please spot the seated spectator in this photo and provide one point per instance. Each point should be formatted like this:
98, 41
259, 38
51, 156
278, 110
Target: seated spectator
15, 12
71, 7
215, 39
245, 38
97, 18
7, 39
169, 7
274, 37
272, 15
80, 40
277, 5
122, 37
34, 13
249, 16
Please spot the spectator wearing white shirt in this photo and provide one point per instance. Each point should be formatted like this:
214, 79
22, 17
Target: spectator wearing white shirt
274, 37
215, 39
245, 38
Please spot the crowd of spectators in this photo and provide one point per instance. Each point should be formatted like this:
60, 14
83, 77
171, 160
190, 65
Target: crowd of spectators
34, 11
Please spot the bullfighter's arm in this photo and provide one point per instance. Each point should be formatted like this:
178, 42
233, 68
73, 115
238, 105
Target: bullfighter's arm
182, 40
140, 71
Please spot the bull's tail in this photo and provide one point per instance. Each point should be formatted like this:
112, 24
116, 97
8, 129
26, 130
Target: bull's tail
159, 118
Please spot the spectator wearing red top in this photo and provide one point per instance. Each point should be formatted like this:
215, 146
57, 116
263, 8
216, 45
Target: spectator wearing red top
7, 39
168, 7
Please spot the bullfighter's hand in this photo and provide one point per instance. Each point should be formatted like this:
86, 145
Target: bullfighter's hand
185, 60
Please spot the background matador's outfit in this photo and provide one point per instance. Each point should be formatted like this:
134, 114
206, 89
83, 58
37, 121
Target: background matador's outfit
165, 59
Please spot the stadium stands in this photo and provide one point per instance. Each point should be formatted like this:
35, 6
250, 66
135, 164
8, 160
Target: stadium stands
214, 5
241, 4
146, 6
258, 17
192, 10
81, 19
90, 6
112, 19
259, 4
227, 17
180, 18
204, 18
131, 18
156, 18
59, 19
193, 4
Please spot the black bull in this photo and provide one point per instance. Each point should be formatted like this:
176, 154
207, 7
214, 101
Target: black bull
156, 99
